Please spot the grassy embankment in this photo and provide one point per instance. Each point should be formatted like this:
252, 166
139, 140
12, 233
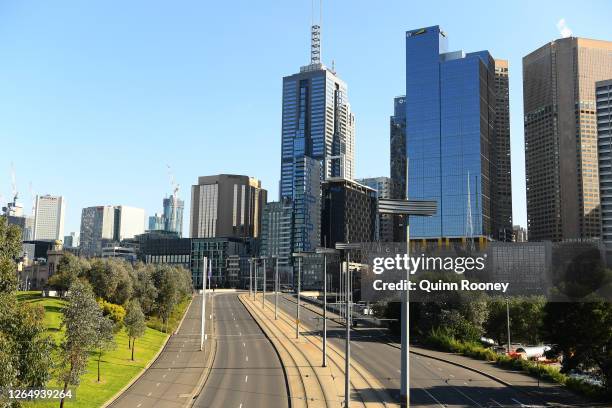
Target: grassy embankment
116, 366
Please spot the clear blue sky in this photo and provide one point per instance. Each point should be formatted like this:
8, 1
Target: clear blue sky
96, 98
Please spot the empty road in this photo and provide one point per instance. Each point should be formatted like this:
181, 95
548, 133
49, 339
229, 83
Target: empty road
247, 371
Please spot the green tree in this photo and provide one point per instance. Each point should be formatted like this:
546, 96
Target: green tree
10, 249
144, 287
116, 313
582, 332
168, 293
134, 323
105, 339
69, 269
526, 313
110, 279
81, 321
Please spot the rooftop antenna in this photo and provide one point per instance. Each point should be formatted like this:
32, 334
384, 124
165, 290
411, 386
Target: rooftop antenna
315, 36
13, 183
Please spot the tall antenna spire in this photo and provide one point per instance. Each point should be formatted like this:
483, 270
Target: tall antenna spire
315, 36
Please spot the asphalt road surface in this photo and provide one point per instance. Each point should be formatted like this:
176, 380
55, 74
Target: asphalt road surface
173, 377
433, 383
247, 372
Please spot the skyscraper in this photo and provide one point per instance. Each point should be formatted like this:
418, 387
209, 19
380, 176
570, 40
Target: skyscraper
226, 205
49, 217
603, 93
173, 214
450, 136
398, 147
104, 225
318, 140
561, 137
502, 185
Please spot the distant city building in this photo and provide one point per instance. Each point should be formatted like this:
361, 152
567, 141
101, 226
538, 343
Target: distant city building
561, 137
218, 251
603, 94
502, 186
349, 212
398, 147
276, 231
156, 222
173, 214
318, 142
108, 225
227, 205
384, 188
49, 217
451, 147
125, 253
36, 273
519, 234
72, 240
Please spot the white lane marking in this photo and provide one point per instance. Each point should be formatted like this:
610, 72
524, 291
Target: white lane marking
439, 369
240, 405
434, 398
246, 378
138, 406
451, 376
465, 395
357, 345
518, 402
247, 358
243, 344
498, 404
399, 371
149, 394
164, 376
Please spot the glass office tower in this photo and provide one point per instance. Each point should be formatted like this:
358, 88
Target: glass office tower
318, 142
450, 138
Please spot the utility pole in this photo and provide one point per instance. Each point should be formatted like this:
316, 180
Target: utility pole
203, 323
325, 251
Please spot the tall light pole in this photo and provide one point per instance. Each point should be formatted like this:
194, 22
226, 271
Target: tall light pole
203, 323
508, 321
406, 208
325, 251
256, 267
251, 277
299, 256
263, 296
275, 287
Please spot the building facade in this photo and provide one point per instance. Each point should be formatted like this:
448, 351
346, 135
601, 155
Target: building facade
603, 94
49, 217
349, 212
107, 225
450, 136
502, 186
218, 251
173, 214
276, 231
561, 137
227, 205
384, 188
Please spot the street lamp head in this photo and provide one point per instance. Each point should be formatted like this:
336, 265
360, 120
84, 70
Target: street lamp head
322, 250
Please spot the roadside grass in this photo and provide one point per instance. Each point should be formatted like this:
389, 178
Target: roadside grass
155, 322
440, 340
116, 367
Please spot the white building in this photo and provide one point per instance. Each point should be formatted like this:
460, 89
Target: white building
49, 217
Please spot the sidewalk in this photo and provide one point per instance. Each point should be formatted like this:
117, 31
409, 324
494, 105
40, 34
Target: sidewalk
311, 385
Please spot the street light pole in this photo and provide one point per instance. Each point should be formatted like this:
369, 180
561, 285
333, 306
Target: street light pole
299, 288
276, 291
263, 296
251, 277
405, 352
203, 323
508, 321
256, 267
324, 310
347, 345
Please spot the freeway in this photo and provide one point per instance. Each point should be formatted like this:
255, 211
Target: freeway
247, 371
433, 383
173, 378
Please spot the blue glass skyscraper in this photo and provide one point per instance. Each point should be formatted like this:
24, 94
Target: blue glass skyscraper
450, 139
317, 142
